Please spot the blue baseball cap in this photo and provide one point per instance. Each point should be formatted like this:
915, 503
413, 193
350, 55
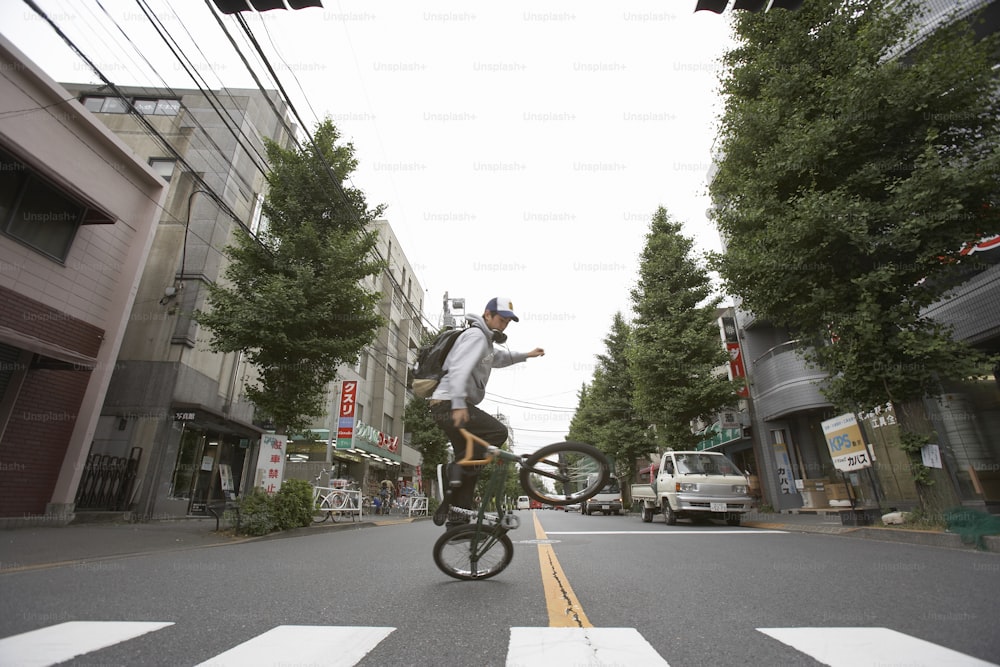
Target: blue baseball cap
503, 306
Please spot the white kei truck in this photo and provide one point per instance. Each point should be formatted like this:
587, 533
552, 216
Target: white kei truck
692, 485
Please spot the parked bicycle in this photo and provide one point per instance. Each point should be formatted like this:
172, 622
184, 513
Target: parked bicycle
562, 473
332, 502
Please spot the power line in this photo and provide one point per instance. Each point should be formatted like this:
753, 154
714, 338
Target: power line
204, 136
209, 96
327, 169
134, 112
532, 404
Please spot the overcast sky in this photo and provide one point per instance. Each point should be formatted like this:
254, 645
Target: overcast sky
520, 148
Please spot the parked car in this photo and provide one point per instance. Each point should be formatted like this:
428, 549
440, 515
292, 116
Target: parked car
694, 484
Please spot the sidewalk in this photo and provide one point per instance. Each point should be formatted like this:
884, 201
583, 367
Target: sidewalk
37, 547
829, 522
40, 547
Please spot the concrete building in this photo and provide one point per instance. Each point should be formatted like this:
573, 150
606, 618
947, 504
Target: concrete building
175, 413
78, 215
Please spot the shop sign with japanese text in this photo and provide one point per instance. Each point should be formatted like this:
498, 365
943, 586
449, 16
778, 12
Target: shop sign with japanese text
847, 445
348, 410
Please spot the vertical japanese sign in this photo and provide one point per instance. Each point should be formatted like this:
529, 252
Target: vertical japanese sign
271, 462
784, 469
737, 371
847, 445
348, 410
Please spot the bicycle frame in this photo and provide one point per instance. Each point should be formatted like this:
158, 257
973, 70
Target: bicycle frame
491, 527
481, 549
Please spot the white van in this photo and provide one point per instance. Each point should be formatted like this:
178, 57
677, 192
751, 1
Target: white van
523, 503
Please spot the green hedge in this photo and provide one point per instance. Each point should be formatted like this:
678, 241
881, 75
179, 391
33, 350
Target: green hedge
291, 507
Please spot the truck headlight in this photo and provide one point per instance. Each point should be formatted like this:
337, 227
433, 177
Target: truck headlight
686, 487
740, 489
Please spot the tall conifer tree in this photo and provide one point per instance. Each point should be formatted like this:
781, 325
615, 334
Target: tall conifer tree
677, 349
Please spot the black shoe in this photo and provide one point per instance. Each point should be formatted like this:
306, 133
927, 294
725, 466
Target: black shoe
442, 513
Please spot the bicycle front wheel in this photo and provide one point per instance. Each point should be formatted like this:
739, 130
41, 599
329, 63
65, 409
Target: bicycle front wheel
469, 552
565, 473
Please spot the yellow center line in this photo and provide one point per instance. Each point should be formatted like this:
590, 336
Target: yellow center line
564, 608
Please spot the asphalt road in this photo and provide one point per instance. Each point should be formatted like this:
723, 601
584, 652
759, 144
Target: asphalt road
684, 595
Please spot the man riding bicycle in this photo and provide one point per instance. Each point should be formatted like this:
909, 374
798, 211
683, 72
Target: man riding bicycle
453, 403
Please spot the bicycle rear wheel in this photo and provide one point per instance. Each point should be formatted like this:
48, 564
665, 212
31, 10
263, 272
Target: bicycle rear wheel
565, 473
455, 555
322, 509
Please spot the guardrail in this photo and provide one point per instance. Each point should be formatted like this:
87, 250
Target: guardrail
416, 505
352, 506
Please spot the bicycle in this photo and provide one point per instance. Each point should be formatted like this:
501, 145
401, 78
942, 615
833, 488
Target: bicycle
481, 548
329, 502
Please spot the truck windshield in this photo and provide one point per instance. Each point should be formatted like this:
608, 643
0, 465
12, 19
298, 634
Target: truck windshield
611, 487
705, 464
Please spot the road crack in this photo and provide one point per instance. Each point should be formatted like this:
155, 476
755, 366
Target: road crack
571, 610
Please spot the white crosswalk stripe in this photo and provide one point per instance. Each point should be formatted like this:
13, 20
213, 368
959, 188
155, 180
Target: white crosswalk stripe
851, 647
548, 647
59, 643
333, 646
346, 646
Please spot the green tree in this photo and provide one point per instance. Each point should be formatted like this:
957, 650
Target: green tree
426, 437
857, 163
676, 348
293, 298
605, 415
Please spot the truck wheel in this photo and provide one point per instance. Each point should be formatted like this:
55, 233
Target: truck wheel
669, 515
733, 519
647, 514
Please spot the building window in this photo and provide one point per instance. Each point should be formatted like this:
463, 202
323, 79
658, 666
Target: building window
145, 106
106, 104
163, 167
168, 107
258, 221
149, 107
34, 212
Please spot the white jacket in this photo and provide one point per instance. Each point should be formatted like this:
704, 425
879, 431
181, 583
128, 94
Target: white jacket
469, 363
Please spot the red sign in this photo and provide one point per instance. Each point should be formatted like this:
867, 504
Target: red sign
736, 368
348, 398
348, 406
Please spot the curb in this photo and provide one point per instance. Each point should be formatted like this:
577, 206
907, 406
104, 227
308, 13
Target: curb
338, 526
991, 543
